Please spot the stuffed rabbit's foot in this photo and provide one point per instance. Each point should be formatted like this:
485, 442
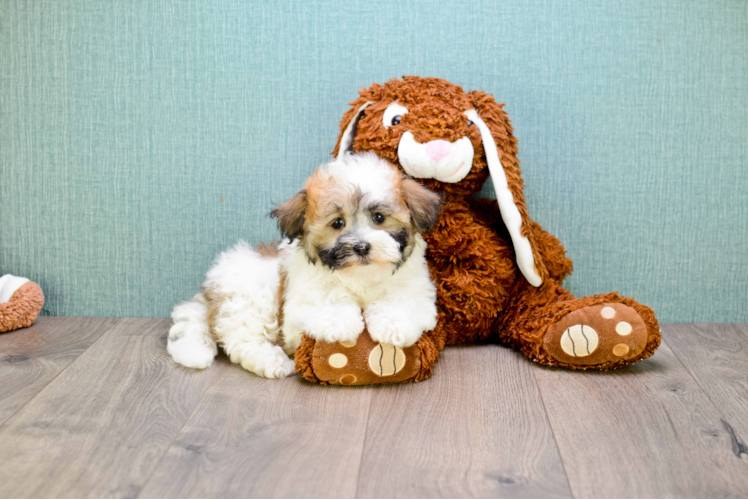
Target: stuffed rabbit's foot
600, 336
364, 361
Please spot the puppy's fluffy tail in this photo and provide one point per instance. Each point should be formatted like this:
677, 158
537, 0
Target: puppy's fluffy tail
190, 343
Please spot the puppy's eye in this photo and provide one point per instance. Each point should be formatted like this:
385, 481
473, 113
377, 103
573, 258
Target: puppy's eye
378, 218
393, 114
338, 223
470, 123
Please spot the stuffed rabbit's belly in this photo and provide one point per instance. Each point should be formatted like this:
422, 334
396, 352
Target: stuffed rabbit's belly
474, 271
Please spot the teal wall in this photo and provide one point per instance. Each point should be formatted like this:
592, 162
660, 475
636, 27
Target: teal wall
139, 138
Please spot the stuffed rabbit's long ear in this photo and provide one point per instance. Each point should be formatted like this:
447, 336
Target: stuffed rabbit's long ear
345, 141
500, 148
351, 117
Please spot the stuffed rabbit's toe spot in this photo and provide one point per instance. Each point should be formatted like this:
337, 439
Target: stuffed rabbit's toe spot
621, 350
623, 328
338, 360
607, 312
579, 341
386, 360
348, 379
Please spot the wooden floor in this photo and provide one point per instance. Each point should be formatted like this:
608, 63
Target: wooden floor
93, 407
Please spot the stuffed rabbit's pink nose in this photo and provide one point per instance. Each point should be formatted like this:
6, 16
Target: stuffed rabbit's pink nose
438, 149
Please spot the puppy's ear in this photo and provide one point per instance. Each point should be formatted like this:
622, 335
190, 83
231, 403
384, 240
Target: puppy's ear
290, 215
424, 205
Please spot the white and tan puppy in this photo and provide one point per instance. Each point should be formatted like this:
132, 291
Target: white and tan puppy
353, 257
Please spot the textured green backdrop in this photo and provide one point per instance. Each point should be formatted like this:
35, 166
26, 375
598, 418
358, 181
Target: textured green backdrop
139, 138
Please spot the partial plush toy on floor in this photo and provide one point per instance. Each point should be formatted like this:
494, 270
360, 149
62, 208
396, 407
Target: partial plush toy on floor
21, 301
498, 274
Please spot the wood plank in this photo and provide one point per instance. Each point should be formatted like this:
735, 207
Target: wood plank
647, 430
253, 437
103, 424
716, 355
476, 428
31, 357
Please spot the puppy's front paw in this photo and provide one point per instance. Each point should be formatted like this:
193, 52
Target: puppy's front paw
392, 327
339, 323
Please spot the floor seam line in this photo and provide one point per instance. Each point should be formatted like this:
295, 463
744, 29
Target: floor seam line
176, 435
698, 384
363, 446
553, 433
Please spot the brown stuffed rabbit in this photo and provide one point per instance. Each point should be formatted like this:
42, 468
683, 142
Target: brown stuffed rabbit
498, 273
20, 302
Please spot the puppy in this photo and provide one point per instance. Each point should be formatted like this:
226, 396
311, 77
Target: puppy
353, 257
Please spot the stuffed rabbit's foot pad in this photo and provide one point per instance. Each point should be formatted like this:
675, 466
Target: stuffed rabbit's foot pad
363, 362
602, 334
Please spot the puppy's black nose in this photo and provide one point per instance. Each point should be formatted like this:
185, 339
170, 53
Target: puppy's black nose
362, 248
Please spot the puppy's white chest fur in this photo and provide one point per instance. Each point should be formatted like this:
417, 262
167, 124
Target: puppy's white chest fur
396, 304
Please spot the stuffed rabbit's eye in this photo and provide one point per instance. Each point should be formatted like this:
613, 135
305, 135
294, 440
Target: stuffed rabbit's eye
338, 223
393, 114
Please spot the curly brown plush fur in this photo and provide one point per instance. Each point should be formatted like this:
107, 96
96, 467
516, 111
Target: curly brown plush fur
22, 308
481, 294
